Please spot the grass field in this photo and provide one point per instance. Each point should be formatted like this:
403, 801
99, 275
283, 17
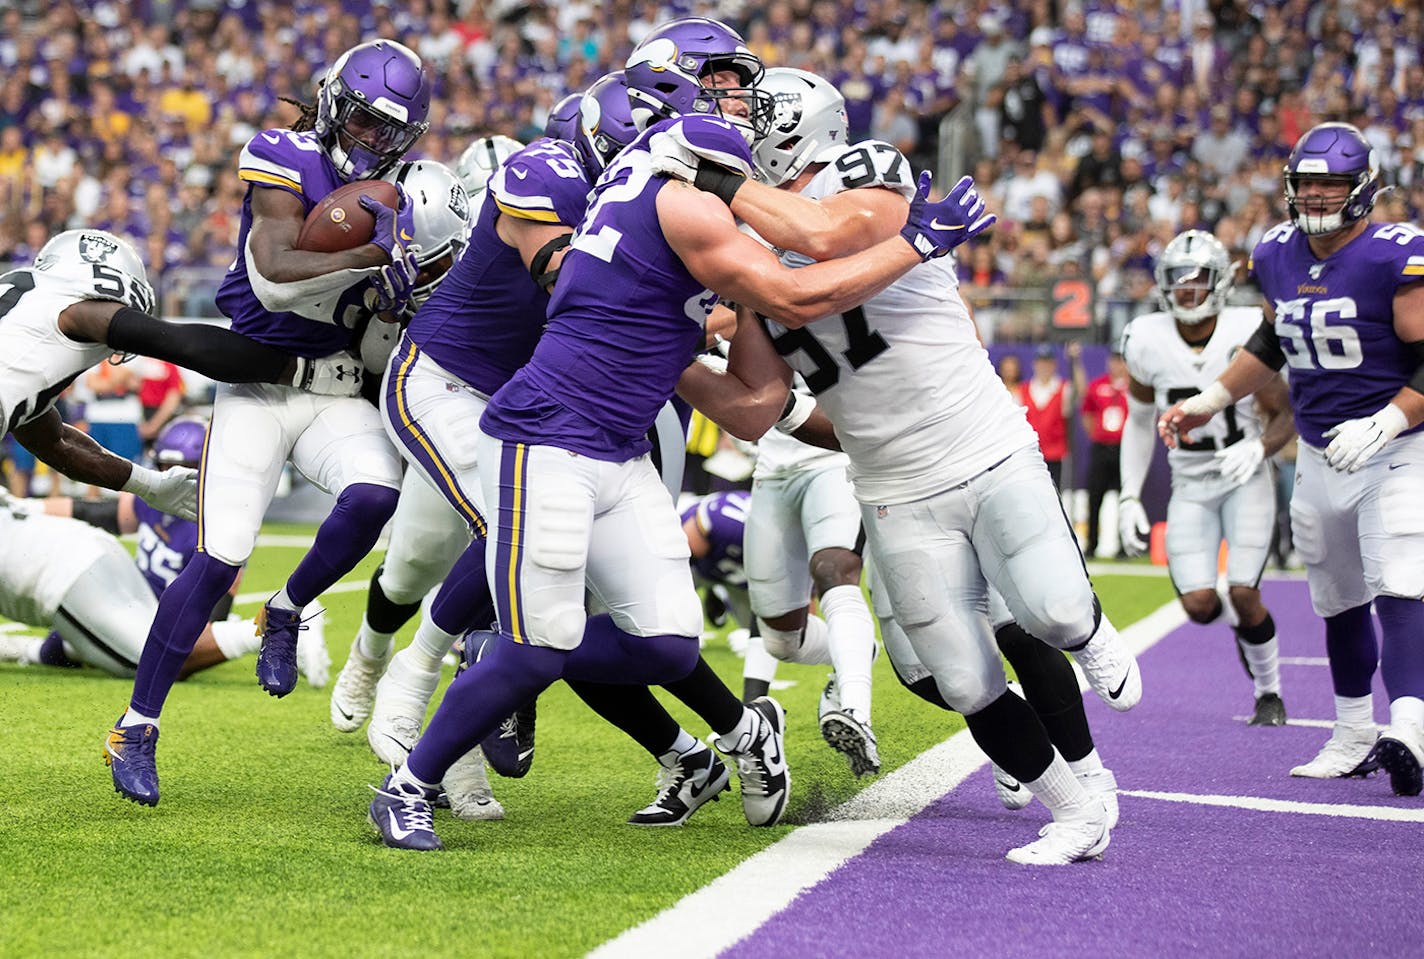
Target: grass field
260, 844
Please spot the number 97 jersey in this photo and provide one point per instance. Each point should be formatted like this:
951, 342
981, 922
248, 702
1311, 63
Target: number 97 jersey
1158, 357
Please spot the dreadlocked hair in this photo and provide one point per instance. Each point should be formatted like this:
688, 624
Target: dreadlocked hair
307, 120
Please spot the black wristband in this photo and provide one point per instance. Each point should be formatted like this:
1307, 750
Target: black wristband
718, 181
1265, 345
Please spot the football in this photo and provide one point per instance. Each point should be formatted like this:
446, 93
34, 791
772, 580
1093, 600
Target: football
339, 222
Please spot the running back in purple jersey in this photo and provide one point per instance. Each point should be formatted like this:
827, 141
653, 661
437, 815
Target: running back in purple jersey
294, 162
1335, 320
625, 320
483, 321
165, 544
722, 517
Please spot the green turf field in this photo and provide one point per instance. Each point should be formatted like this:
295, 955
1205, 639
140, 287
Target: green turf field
260, 845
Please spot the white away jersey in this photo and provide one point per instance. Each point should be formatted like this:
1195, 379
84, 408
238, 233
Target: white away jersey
915, 401
37, 361
41, 557
1157, 357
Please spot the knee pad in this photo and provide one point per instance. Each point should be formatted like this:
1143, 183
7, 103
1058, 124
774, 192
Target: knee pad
780, 643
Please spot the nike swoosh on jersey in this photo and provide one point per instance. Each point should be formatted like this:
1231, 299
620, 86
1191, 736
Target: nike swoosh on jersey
271, 138
396, 829
936, 225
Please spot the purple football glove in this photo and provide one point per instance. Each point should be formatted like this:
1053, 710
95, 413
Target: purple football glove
394, 229
935, 228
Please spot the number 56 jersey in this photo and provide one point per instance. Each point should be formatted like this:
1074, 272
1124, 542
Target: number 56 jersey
1158, 357
914, 399
1335, 320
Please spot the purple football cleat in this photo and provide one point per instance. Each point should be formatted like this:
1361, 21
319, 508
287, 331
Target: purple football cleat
277, 659
404, 816
509, 750
129, 752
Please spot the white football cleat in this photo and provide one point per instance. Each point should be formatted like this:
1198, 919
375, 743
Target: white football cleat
1061, 843
468, 790
355, 690
313, 660
398, 714
830, 698
1012, 793
847, 733
1345, 753
1102, 784
1111, 669
15, 648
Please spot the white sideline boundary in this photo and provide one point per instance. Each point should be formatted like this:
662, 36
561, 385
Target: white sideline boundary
1341, 810
734, 905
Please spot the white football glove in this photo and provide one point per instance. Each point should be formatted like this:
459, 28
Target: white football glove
672, 158
173, 491
1353, 442
1133, 528
1238, 462
339, 374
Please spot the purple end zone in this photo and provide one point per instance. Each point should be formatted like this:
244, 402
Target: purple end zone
1179, 879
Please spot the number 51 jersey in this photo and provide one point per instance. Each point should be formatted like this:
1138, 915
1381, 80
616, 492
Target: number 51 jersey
1157, 356
914, 399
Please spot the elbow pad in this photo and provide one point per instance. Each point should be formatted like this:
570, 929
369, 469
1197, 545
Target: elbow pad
311, 298
1265, 345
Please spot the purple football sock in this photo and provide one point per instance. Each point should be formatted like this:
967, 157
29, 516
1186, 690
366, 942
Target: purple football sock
344, 539
506, 677
464, 600
609, 655
1402, 645
1353, 650
182, 614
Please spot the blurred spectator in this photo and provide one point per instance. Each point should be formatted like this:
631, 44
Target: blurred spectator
111, 408
160, 394
1011, 373
1048, 400
1104, 413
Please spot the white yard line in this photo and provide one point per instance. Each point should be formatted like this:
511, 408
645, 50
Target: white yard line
1305, 661
734, 905
1381, 813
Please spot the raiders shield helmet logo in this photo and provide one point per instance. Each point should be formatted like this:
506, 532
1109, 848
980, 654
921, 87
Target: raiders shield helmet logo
96, 249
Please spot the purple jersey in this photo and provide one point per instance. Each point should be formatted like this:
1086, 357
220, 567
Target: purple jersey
165, 544
1335, 320
625, 320
294, 162
722, 518
481, 324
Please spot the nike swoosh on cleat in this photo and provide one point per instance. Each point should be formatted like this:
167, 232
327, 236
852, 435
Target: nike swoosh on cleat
936, 225
402, 745
1395, 466
396, 830
345, 713
525, 754
1115, 693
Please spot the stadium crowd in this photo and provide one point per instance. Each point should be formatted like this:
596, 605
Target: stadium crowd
1099, 129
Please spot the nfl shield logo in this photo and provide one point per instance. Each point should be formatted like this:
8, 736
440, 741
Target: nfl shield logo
96, 249
881, 511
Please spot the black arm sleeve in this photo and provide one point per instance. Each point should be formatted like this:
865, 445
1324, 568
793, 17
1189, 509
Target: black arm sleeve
221, 610
1266, 346
539, 270
103, 513
210, 350
1416, 382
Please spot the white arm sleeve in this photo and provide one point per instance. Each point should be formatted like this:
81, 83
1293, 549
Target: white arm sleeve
1135, 455
311, 298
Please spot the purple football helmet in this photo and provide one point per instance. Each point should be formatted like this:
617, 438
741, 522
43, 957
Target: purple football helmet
564, 118
372, 107
180, 443
665, 74
604, 125
1332, 152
